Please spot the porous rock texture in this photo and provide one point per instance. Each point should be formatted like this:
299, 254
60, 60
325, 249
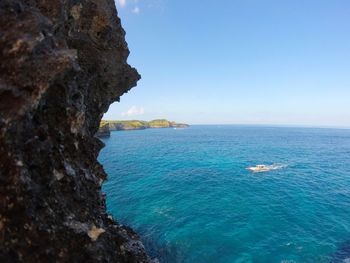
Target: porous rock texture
63, 62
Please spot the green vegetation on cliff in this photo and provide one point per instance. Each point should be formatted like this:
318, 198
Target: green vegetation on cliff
161, 123
115, 125
125, 125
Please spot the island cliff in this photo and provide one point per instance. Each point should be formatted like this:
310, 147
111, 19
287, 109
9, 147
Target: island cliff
103, 131
106, 126
62, 64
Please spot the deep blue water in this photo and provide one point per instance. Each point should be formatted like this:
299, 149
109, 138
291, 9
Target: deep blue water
188, 194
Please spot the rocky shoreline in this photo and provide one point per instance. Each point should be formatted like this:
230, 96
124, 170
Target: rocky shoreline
62, 64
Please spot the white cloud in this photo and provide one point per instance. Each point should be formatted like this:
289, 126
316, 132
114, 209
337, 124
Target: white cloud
122, 3
136, 10
133, 111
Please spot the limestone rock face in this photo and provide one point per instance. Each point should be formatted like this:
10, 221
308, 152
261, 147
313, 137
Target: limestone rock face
63, 62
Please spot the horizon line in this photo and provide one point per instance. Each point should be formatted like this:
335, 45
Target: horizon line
316, 126
319, 126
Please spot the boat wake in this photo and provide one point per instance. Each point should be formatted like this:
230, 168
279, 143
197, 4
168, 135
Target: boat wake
265, 168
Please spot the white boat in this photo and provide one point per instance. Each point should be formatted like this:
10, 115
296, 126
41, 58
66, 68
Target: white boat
260, 168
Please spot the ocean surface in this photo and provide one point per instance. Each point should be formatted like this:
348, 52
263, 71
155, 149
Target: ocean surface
188, 194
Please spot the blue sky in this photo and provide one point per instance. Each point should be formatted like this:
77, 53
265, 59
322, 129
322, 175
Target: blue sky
238, 61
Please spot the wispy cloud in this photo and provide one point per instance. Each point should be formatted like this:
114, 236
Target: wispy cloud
134, 6
134, 111
121, 3
136, 10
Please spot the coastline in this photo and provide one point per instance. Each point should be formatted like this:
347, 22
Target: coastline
107, 126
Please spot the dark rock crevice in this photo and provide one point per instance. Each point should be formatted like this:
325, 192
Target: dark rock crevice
62, 64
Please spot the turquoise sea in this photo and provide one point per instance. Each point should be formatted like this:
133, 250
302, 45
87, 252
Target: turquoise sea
189, 196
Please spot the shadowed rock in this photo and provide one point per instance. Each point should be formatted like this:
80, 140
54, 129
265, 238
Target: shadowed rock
62, 64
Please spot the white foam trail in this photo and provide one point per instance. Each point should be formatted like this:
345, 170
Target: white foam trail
266, 168
276, 166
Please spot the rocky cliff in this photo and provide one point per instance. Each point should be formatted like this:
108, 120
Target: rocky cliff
103, 131
113, 125
63, 62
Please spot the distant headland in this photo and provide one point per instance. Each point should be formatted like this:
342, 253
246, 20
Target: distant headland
106, 126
